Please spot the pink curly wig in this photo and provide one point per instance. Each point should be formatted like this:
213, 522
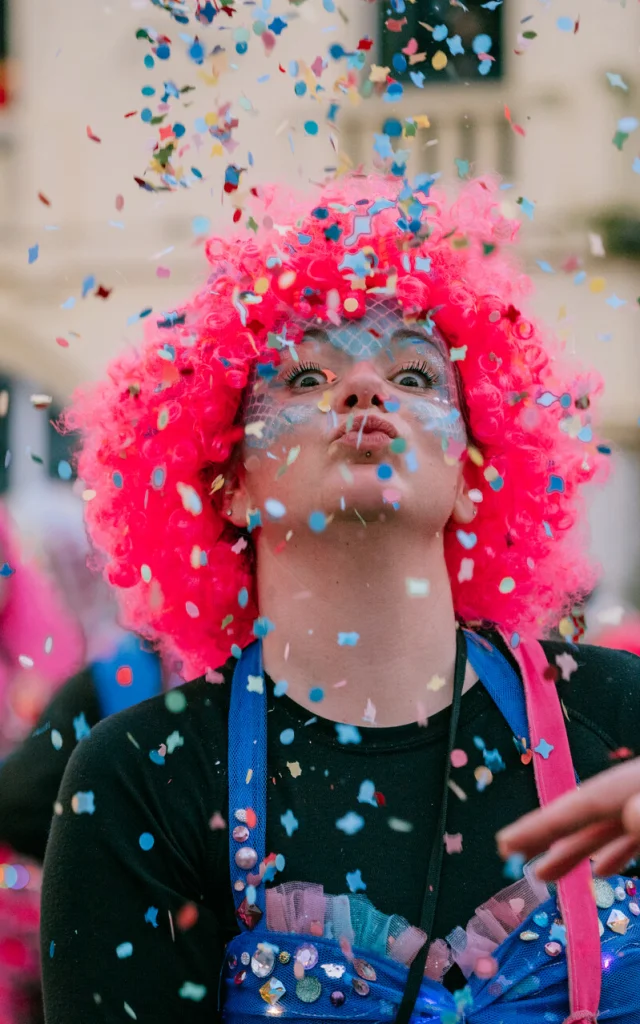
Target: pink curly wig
163, 427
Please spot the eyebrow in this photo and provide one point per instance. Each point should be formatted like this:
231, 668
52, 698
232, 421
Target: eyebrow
402, 334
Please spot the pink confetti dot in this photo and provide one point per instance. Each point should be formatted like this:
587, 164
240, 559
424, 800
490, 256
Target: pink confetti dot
458, 758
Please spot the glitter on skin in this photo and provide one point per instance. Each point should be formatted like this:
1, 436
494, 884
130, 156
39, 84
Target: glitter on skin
436, 409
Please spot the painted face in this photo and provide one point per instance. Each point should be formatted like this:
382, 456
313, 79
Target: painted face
412, 364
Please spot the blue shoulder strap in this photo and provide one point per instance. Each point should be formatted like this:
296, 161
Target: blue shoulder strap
502, 683
146, 673
248, 784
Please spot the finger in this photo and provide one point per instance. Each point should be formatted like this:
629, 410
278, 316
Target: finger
631, 816
600, 798
566, 853
615, 856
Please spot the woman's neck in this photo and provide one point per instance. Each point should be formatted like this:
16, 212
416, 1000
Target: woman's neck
364, 614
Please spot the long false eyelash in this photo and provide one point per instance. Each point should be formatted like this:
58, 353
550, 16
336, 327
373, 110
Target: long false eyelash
299, 368
420, 366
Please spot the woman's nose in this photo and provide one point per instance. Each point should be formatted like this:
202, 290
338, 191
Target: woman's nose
361, 388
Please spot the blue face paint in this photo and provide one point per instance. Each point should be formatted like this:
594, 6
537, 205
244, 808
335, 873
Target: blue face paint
413, 363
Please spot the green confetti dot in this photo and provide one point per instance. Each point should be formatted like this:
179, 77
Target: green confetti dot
175, 701
398, 445
145, 572
507, 585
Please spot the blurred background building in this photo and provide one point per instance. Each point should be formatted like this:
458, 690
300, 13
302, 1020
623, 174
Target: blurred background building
85, 251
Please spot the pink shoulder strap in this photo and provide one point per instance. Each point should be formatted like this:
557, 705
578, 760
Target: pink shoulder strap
554, 776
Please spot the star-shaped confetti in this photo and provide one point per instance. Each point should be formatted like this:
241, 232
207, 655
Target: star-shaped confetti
354, 881
544, 748
567, 664
289, 822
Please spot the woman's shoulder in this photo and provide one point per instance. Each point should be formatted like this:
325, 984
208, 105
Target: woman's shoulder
600, 689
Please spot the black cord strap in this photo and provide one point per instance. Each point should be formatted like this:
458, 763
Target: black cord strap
434, 870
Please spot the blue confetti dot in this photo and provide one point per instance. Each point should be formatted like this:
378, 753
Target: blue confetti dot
316, 694
243, 597
118, 479
163, 52
300, 88
124, 950
200, 225
440, 33
64, 470
280, 688
286, 737
241, 48
52, 949
393, 128
317, 522
565, 24
399, 62
149, 62
146, 841
146, 115
236, 651
179, 130
385, 472
482, 43
311, 127
148, 90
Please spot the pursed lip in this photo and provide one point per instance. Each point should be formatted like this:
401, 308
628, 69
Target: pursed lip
365, 429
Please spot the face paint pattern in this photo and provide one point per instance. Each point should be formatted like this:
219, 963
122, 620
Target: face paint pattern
436, 409
277, 418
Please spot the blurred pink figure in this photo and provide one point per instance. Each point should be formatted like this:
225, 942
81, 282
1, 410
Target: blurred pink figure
41, 646
625, 637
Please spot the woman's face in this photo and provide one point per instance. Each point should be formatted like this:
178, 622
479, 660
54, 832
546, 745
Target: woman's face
356, 420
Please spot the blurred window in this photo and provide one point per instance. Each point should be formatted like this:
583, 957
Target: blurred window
477, 31
61, 448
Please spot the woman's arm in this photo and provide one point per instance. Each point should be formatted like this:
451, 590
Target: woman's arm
125, 933
31, 775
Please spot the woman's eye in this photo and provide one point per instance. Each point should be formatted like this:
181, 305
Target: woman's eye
308, 377
415, 377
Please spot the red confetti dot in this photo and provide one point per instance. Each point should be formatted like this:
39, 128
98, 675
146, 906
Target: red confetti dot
62, 342
124, 676
252, 817
187, 917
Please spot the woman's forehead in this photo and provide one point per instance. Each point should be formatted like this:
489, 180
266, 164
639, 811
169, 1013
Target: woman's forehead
379, 330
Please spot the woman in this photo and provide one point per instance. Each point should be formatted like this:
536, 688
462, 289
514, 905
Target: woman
348, 444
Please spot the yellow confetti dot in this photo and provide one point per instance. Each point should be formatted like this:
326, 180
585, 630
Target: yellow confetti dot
597, 285
163, 417
491, 473
566, 627
294, 768
422, 121
286, 279
507, 585
261, 286
378, 73
217, 484
475, 456
324, 405
350, 304
436, 683
439, 60
249, 776
254, 429
88, 495
210, 119
483, 775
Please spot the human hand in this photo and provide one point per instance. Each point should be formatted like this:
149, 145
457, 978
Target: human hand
600, 819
